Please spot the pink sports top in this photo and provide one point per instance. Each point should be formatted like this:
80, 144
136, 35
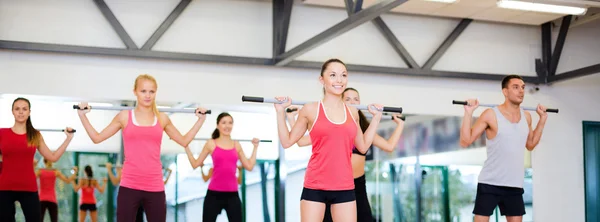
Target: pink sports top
142, 168
224, 169
87, 194
47, 185
330, 167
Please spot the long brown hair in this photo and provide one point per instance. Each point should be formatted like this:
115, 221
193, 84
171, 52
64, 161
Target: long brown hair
33, 135
362, 119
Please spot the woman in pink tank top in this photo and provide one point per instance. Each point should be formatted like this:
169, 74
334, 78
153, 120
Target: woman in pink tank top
87, 201
47, 177
334, 131
363, 208
222, 191
142, 130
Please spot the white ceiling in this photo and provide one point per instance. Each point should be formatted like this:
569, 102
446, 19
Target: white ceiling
484, 10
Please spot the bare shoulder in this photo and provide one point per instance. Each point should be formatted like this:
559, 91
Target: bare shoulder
211, 144
123, 117
488, 116
238, 146
164, 119
309, 109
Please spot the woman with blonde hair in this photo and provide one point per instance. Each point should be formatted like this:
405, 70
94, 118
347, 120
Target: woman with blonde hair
142, 130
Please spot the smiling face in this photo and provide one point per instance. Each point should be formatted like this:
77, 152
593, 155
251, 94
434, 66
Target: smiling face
351, 97
225, 125
20, 110
334, 77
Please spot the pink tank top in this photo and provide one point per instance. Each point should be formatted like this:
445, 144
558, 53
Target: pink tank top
330, 167
87, 195
142, 168
47, 185
224, 169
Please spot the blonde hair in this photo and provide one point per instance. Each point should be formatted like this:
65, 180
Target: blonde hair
153, 80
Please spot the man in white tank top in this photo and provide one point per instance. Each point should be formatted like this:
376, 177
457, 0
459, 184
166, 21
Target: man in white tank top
508, 130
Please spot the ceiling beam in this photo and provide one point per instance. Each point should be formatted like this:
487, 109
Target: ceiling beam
462, 25
116, 25
585, 71
166, 24
347, 24
415, 72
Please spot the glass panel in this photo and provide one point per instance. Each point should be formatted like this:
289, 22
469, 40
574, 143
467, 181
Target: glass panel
432, 205
63, 190
94, 160
169, 164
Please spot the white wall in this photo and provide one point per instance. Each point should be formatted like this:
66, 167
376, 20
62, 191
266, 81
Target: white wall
484, 47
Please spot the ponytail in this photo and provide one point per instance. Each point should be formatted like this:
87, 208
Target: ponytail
155, 110
215, 134
363, 121
33, 135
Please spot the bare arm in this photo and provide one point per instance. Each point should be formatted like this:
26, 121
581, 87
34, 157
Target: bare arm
390, 144
113, 127
207, 149
76, 185
176, 136
286, 137
115, 180
248, 164
469, 134
240, 171
534, 136
53, 156
62, 177
169, 171
99, 187
206, 177
362, 142
305, 140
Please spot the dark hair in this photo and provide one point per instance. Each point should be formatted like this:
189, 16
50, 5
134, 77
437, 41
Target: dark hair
508, 78
216, 133
362, 119
326, 63
88, 171
33, 135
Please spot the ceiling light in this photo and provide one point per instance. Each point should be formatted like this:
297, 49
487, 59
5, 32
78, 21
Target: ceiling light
539, 7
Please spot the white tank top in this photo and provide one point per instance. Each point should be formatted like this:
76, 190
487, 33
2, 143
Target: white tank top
504, 165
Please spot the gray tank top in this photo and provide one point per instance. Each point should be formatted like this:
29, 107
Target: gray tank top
504, 165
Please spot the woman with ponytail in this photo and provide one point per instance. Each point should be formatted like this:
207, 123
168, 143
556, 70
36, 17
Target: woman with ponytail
87, 202
18, 145
142, 130
358, 159
222, 191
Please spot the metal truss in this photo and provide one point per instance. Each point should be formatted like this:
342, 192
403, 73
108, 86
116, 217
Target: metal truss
282, 10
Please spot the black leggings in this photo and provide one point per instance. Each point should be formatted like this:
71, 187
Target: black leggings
363, 208
129, 201
216, 201
140, 214
52, 210
30, 204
